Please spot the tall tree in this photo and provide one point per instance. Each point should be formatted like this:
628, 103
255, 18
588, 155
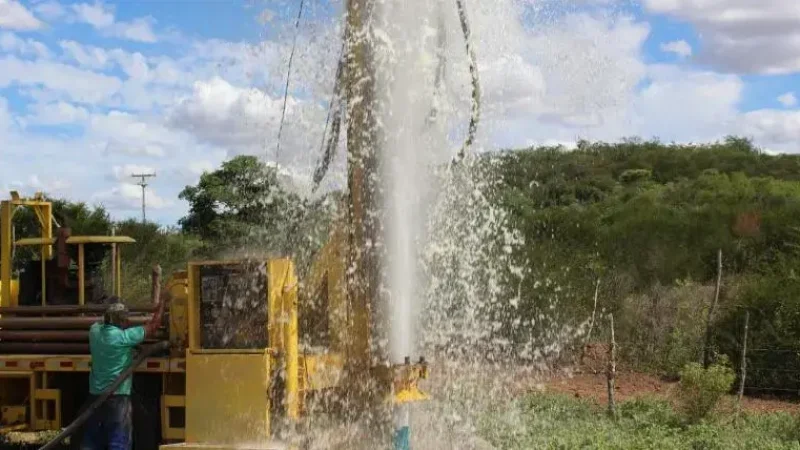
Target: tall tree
243, 207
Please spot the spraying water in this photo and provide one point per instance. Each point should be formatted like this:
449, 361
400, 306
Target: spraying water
454, 274
411, 143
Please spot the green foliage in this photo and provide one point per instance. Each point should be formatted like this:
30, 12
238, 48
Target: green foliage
561, 422
773, 301
154, 245
701, 388
647, 219
245, 209
81, 218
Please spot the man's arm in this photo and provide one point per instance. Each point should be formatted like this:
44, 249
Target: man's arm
155, 321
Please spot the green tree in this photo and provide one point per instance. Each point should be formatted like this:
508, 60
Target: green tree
244, 209
154, 245
81, 218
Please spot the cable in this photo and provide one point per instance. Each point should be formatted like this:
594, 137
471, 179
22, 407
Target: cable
87, 413
329, 151
476, 86
288, 78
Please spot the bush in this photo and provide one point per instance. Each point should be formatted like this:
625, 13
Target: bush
556, 421
701, 389
773, 340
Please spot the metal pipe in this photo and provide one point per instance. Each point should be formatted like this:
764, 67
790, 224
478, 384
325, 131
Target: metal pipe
81, 275
38, 348
44, 336
65, 310
54, 336
58, 323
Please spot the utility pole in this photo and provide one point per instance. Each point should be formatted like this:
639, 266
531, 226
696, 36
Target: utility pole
143, 183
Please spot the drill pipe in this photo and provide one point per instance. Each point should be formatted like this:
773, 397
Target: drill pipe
11, 348
58, 323
53, 336
44, 336
65, 310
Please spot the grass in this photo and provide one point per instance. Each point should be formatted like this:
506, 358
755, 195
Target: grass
547, 421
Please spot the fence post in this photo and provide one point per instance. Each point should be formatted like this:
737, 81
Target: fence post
707, 344
591, 325
611, 373
743, 365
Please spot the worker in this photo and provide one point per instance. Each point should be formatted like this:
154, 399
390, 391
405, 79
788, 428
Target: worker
111, 345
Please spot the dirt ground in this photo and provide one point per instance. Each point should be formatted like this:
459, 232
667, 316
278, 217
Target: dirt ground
631, 385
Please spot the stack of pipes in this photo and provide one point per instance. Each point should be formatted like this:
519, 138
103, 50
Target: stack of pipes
57, 329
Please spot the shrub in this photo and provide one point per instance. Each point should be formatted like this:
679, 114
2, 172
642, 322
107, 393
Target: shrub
701, 389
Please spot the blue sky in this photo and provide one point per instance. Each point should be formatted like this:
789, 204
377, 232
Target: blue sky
91, 92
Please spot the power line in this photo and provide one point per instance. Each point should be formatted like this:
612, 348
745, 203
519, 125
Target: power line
288, 78
143, 183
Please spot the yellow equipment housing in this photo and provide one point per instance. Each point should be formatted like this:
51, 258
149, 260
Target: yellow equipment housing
250, 348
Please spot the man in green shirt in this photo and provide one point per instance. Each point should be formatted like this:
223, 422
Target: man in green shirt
111, 344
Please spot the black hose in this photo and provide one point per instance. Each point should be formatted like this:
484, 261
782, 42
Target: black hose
87, 413
475, 115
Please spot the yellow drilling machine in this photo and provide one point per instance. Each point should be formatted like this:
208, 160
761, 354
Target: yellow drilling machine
249, 346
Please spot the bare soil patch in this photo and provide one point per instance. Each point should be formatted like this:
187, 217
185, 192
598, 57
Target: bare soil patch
630, 385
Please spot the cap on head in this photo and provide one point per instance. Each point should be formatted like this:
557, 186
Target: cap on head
116, 314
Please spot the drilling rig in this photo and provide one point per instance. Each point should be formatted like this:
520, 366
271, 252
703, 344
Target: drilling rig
240, 363
251, 348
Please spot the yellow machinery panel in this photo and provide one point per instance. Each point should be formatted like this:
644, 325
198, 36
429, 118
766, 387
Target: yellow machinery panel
14, 294
178, 290
228, 398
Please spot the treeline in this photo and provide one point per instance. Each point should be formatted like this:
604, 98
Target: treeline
243, 209
645, 220
642, 220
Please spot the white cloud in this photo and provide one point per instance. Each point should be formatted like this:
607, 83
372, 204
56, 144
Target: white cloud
86, 56
128, 197
5, 115
67, 81
245, 120
50, 10
50, 186
780, 129
788, 100
11, 43
123, 173
572, 75
680, 48
14, 16
58, 113
95, 15
139, 30
120, 132
102, 18
199, 167
685, 105
742, 35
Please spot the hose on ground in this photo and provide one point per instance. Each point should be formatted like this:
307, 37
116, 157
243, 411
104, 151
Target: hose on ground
87, 413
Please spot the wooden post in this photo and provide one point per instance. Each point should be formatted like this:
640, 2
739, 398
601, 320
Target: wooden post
707, 344
591, 325
611, 374
743, 365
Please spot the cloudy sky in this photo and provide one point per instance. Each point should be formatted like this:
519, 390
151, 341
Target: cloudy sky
93, 92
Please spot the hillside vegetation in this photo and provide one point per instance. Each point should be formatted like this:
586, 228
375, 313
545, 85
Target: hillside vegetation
646, 221
641, 221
